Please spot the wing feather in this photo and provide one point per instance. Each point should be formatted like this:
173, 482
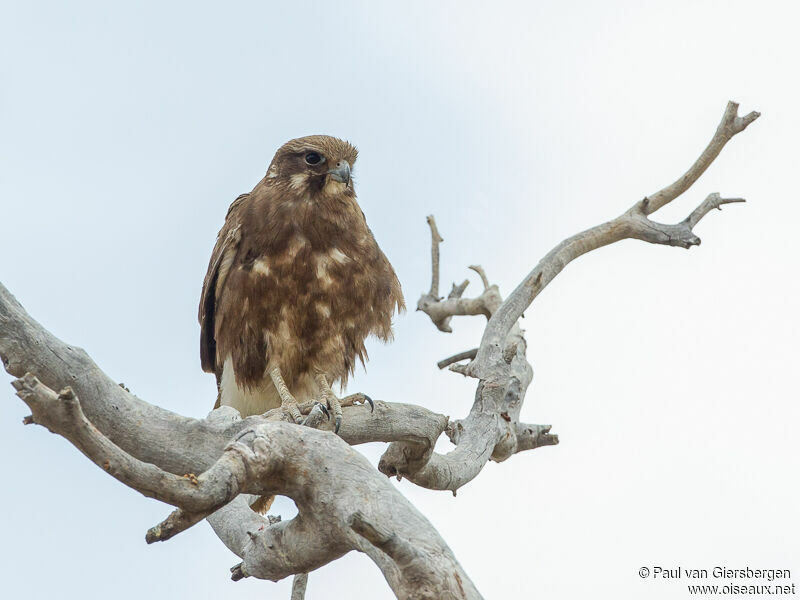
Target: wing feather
219, 266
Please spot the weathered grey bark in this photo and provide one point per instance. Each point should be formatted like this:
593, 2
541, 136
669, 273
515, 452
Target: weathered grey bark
206, 467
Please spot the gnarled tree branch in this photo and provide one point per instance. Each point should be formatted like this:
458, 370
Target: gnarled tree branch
199, 465
632, 224
492, 430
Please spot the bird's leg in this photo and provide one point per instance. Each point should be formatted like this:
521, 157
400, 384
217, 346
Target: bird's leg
332, 399
288, 402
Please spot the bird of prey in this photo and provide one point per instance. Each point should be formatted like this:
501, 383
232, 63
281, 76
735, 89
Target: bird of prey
295, 284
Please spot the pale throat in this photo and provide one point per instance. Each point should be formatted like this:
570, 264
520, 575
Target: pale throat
299, 182
334, 188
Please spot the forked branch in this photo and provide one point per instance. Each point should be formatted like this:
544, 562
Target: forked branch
492, 430
634, 223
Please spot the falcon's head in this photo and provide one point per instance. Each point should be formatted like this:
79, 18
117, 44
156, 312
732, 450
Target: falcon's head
316, 164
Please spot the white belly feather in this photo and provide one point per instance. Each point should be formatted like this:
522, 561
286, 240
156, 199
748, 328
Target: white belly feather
261, 398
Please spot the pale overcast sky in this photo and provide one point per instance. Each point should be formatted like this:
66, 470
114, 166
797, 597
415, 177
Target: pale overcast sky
126, 129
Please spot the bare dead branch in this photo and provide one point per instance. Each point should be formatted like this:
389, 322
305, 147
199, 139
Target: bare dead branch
458, 290
321, 473
61, 413
492, 429
328, 504
711, 202
299, 586
178, 521
730, 125
170, 441
467, 354
632, 224
257, 455
442, 311
436, 239
479, 270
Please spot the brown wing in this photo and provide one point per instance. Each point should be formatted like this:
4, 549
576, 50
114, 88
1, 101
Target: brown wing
218, 268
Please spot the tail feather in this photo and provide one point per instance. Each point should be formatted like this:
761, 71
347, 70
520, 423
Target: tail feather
262, 504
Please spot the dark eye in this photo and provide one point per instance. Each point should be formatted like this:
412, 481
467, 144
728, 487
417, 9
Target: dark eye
313, 158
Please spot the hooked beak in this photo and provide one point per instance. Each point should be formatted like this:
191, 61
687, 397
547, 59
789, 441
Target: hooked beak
341, 172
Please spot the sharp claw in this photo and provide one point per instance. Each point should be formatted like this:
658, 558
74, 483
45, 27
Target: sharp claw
371, 403
325, 410
338, 424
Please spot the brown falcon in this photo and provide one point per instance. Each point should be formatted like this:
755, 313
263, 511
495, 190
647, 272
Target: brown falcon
295, 285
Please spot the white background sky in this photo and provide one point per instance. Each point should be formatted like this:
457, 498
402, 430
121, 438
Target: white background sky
670, 376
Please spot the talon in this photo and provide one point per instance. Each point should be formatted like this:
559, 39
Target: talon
371, 403
324, 409
333, 401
